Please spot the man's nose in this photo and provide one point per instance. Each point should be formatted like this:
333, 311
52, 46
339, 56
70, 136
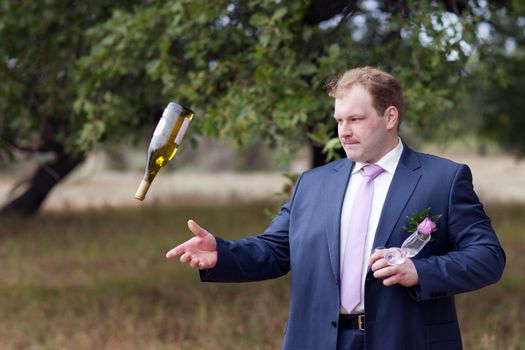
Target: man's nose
345, 129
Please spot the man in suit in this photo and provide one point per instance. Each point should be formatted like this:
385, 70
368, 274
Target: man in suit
344, 295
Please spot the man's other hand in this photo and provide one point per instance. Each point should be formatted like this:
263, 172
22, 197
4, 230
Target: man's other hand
404, 274
200, 251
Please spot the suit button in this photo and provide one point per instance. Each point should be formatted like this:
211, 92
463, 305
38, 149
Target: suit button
334, 324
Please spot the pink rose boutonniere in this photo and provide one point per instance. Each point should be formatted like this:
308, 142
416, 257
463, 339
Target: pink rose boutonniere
426, 226
422, 222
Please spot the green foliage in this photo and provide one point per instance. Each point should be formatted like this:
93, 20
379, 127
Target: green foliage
85, 74
240, 66
502, 107
323, 136
40, 43
255, 71
499, 81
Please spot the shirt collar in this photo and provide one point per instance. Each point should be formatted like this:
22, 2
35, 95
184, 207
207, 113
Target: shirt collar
388, 162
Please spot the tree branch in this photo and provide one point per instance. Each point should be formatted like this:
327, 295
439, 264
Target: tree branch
320, 10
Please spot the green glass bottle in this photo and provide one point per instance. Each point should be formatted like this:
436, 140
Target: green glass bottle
165, 142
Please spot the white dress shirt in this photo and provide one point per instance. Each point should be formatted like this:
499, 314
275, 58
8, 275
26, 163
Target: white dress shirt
381, 184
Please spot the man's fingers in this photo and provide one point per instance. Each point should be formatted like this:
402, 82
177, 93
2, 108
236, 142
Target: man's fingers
377, 254
191, 252
178, 250
379, 264
182, 248
185, 258
196, 229
385, 272
195, 263
391, 281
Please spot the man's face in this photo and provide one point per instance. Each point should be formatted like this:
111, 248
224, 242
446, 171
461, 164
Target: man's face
365, 135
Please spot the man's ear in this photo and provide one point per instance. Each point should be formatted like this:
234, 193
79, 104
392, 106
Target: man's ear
392, 117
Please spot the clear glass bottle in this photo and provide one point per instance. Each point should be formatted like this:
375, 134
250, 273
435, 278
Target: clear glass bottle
164, 144
410, 247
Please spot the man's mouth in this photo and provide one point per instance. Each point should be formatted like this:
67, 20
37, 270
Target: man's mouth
350, 143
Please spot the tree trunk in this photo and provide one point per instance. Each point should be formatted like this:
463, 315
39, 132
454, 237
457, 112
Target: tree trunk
319, 158
41, 183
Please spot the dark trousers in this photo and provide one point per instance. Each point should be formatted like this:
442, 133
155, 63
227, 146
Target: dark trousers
350, 339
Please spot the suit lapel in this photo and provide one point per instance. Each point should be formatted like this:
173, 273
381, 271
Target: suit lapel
335, 185
401, 189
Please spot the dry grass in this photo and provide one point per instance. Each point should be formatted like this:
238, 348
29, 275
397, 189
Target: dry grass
492, 318
99, 280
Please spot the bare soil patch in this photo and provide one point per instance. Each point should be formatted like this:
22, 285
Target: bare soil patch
497, 178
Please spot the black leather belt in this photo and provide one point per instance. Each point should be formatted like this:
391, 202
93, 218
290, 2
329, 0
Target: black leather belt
352, 321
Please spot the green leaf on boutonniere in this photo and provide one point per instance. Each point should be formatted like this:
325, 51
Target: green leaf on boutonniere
416, 218
435, 218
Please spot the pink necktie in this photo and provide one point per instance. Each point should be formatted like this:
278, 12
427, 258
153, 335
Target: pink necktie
355, 242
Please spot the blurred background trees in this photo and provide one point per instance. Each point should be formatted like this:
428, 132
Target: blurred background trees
75, 76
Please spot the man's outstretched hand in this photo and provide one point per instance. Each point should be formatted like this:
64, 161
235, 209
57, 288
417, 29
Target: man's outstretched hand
199, 251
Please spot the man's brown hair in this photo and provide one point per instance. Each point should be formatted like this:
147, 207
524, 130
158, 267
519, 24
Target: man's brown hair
385, 89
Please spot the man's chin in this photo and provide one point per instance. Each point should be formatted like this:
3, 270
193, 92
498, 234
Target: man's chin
351, 150
354, 156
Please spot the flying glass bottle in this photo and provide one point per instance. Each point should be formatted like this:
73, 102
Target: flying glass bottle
165, 142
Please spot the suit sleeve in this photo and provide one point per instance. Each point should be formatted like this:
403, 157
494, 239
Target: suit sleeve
255, 258
476, 258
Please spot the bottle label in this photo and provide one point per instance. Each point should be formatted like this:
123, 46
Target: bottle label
182, 131
160, 127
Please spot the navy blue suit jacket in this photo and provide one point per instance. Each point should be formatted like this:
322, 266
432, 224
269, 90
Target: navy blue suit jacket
464, 255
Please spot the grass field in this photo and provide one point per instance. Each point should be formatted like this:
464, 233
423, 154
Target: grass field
99, 280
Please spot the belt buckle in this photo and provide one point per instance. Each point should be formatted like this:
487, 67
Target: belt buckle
361, 322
